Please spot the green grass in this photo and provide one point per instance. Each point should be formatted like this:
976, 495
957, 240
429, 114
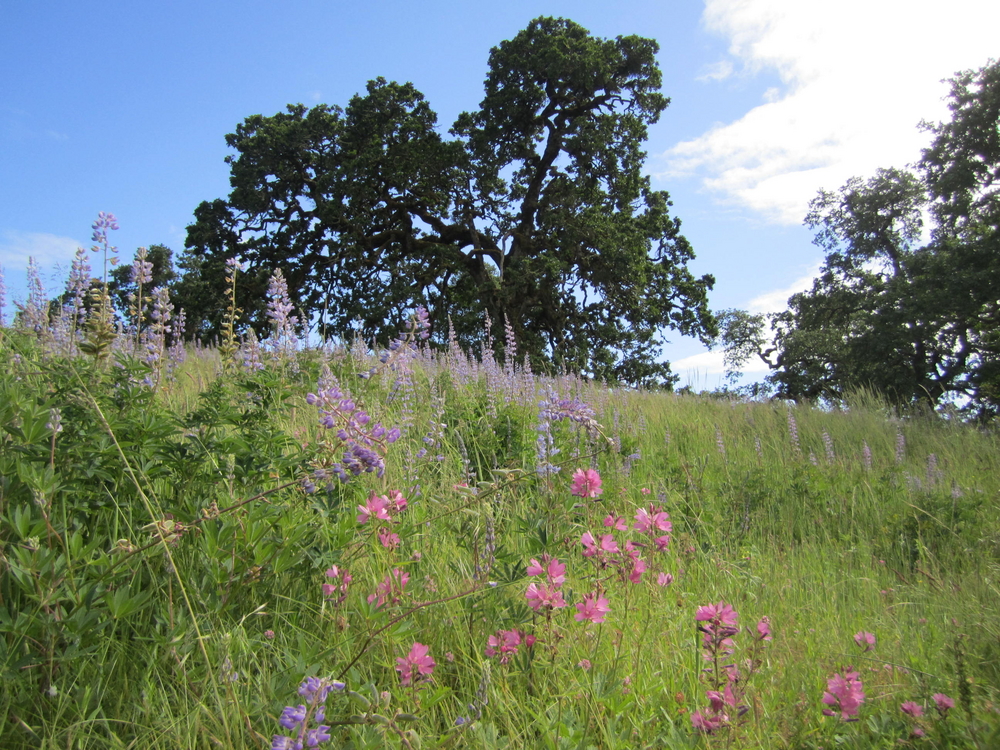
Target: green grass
114, 636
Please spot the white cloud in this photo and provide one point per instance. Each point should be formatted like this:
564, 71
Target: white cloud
53, 254
711, 363
718, 71
777, 300
698, 366
857, 76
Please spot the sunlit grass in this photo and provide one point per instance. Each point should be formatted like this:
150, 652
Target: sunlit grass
229, 616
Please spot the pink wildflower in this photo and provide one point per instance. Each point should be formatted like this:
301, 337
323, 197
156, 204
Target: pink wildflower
388, 539
586, 483
764, 629
706, 722
645, 490
912, 708
593, 608
717, 614
418, 663
648, 520
664, 579
540, 597
391, 589
865, 640
943, 703
844, 694
637, 569
554, 570
504, 643
330, 589
374, 507
616, 522
592, 547
396, 501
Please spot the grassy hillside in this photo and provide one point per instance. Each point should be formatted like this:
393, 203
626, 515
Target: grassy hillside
179, 558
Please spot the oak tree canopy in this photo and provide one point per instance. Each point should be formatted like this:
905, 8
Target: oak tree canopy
531, 209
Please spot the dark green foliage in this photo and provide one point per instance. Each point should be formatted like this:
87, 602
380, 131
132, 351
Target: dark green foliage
121, 286
915, 323
535, 212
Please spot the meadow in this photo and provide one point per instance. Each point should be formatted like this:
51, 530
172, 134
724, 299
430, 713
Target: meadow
273, 545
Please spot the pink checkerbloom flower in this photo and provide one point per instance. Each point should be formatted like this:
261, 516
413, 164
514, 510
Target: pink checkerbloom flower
551, 568
912, 708
592, 547
544, 598
942, 703
593, 608
652, 519
339, 581
375, 507
844, 695
391, 589
586, 483
865, 640
504, 643
416, 665
616, 522
717, 615
764, 629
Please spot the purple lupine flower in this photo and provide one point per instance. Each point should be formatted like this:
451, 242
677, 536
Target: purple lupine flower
250, 353
866, 455
284, 337
105, 221
33, 315
900, 446
364, 443
154, 339
77, 286
297, 719
554, 410
828, 447
142, 269
176, 354
933, 475
3, 300
545, 448
793, 433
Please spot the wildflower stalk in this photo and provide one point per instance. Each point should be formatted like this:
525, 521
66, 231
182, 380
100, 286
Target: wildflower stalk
229, 345
100, 323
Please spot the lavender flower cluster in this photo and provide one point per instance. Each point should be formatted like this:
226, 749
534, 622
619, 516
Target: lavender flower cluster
297, 719
554, 410
364, 442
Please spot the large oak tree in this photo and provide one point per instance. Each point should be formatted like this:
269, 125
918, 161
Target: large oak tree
915, 319
533, 211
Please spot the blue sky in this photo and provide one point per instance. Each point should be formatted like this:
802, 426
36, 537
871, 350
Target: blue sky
124, 106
